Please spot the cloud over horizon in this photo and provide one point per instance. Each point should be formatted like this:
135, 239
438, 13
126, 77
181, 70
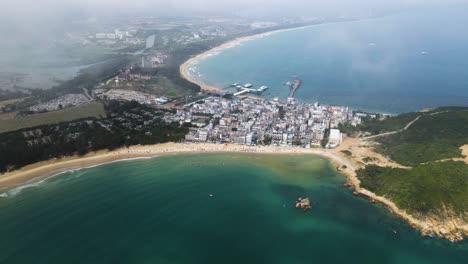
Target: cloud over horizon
163, 7
45, 17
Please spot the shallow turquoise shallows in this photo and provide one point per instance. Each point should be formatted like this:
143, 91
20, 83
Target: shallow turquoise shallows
393, 64
214, 208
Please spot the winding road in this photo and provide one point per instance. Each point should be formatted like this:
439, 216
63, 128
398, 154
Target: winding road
393, 132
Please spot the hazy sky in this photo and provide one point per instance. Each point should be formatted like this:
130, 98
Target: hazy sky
39, 18
30, 28
41, 8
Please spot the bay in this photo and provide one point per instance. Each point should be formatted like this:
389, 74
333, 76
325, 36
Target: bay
208, 208
393, 64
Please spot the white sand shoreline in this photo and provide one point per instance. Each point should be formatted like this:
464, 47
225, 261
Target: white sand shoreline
184, 68
448, 228
56, 166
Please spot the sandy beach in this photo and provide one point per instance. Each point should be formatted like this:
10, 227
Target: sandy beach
448, 228
451, 228
55, 166
184, 68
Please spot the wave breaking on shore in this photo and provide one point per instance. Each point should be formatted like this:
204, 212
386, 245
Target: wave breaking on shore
14, 179
35, 183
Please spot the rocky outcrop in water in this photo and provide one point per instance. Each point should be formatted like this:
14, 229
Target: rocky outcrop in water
303, 203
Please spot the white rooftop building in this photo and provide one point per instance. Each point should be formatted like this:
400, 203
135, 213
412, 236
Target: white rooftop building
335, 139
335, 136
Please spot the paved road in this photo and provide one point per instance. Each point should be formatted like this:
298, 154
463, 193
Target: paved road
341, 160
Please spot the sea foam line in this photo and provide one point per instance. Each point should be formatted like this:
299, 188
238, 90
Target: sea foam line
34, 183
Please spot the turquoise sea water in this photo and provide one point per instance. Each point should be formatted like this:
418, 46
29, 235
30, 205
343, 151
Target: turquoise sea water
394, 64
161, 211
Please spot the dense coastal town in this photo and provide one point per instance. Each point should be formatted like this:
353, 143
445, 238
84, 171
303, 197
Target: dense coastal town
144, 95
149, 70
261, 121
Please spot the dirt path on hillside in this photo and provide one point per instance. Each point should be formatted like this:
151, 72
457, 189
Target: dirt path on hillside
363, 153
393, 132
464, 150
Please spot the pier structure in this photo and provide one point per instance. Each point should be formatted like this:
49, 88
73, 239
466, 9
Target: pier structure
294, 87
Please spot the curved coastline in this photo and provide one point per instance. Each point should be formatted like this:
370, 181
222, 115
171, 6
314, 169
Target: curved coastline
40, 170
184, 68
448, 228
453, 228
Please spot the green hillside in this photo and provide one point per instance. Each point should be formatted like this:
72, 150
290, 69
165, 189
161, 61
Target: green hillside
425, 189
435, 136
431, 186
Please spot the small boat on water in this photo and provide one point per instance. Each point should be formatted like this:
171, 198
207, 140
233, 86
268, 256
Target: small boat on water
263, 88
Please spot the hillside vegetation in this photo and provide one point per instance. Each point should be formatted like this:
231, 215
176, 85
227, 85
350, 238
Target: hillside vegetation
375, 126
434, 185
123, 124
425, 189
435, 136
390, 124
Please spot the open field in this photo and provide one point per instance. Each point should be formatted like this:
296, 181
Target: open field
92, 109
12, 101
8, 116
159, 85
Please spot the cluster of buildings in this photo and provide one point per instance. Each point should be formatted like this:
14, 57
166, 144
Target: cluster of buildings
65, 101
143, 71
260, 121
153, 61
117, 34
128, 95
213, 30
263, 24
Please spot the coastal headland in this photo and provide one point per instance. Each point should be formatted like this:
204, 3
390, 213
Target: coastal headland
447, 228
451, 228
